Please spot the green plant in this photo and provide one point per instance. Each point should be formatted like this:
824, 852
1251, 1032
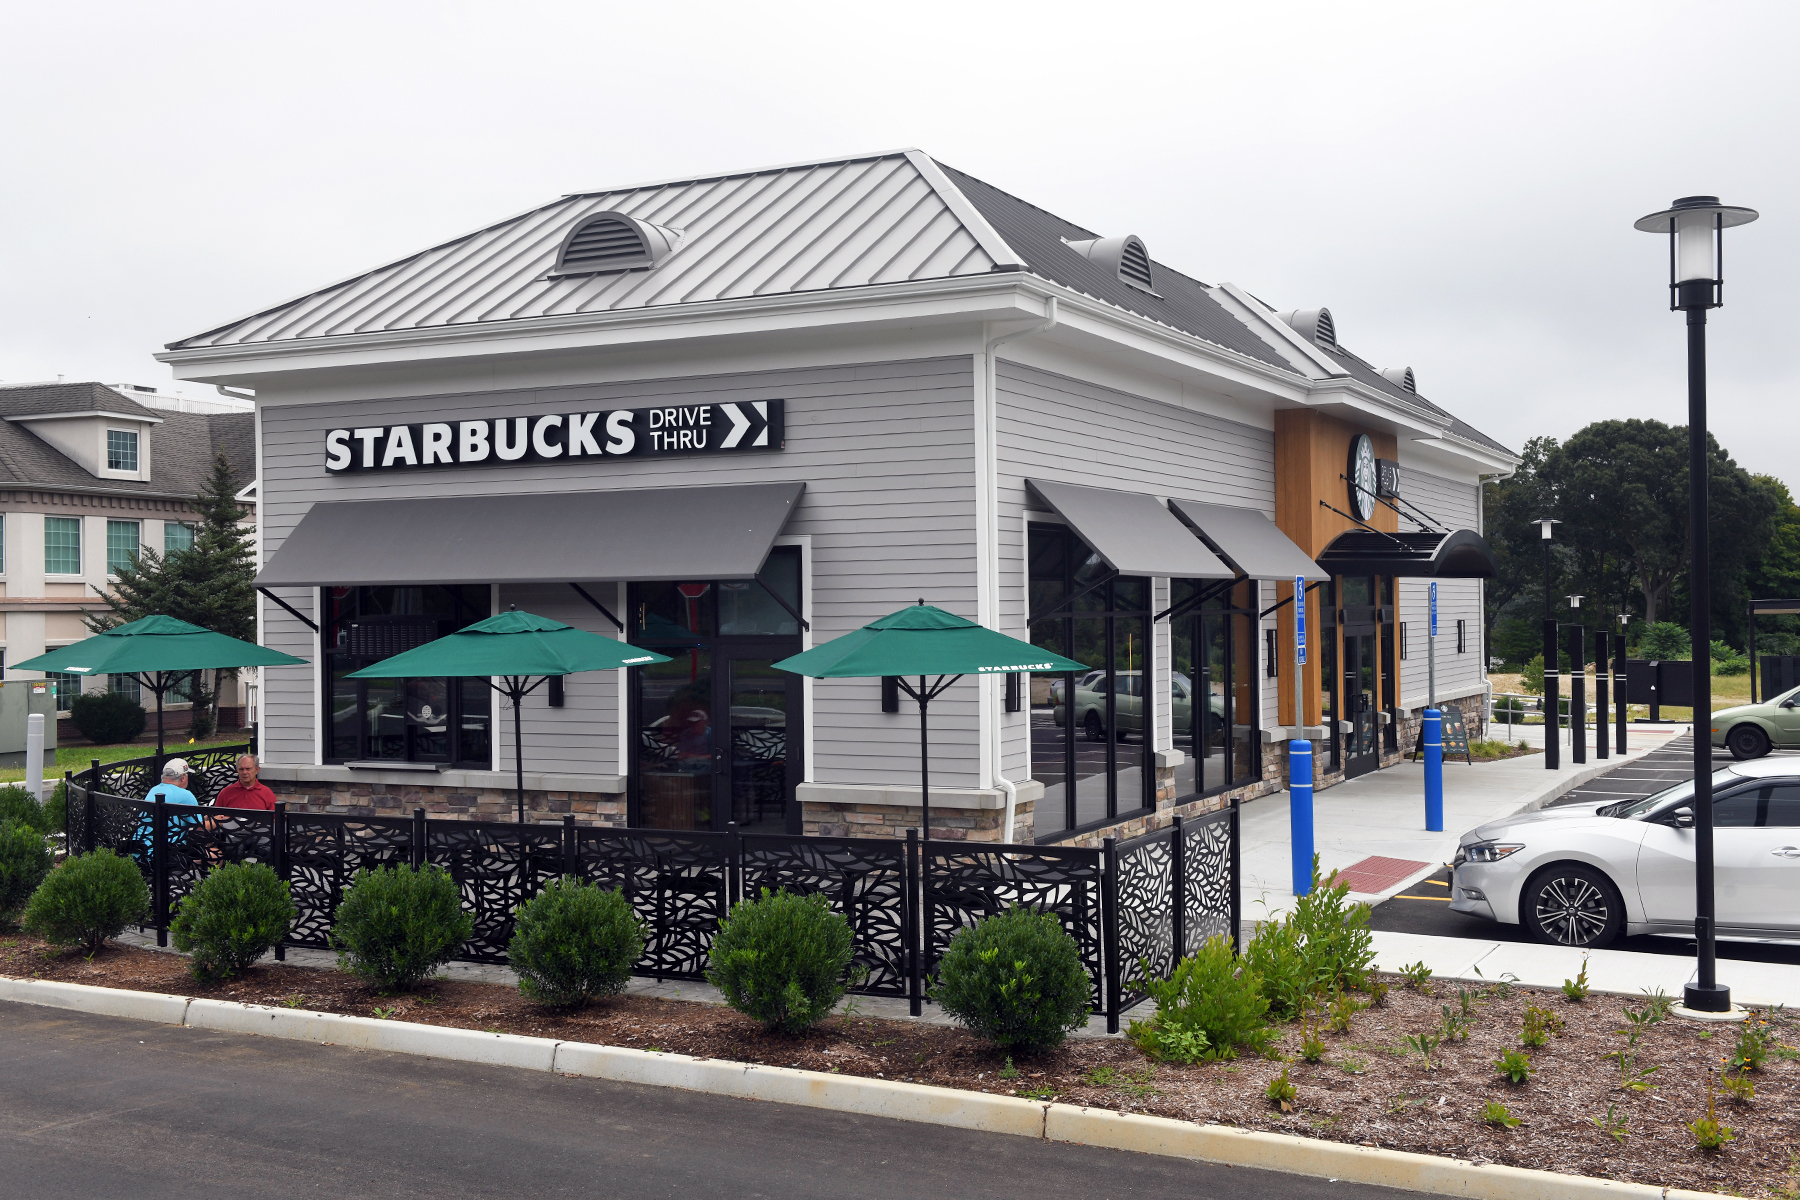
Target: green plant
1708, 1133
1540, 1026
1455, 1025
1612, 1124
107, 718
1657, 1006
1417, 976
1211, 1004
784, 959
575, 942
384, 1014
1312, 1046
1665, 640
294, 1001
1378, 994
1135, 1083
237, 914
1038, 1093
396, 925
1631, 1078
1425, 1043
1343, 1007
1740, 1087
88, 899
24, 862
1576, 989
1497, 1115
1015, 979
1281, 1091
1324, 945
1009, 1071
1515, 1066
17, 804
1752, 1050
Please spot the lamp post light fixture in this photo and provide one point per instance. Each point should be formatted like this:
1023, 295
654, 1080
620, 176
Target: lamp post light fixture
1696, 227
1552, 693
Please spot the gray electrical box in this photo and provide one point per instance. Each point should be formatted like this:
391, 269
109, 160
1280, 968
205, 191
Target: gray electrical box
19, 698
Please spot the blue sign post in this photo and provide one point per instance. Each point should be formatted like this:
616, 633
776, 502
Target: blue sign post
1432, 734
1300, 760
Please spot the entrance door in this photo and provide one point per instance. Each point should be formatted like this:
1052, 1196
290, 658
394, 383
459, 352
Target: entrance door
718, 739
1361, 707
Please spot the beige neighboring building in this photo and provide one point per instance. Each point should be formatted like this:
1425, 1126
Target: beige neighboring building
89, 474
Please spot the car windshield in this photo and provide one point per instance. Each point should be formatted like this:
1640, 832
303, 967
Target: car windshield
1666, 799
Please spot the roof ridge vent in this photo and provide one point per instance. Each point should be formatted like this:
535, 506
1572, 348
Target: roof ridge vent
1315, 325
1124, 256
1402, 378
613, 241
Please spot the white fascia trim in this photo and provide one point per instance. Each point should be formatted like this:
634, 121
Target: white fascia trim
88, 414
958, 204
1281, 330
1449, 443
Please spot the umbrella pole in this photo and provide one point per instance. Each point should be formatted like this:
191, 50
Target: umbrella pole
518, 751
157, 688
924, 771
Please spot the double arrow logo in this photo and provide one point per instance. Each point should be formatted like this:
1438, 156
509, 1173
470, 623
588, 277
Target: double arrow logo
743, 422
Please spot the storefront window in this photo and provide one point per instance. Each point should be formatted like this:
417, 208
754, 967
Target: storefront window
1091, 731
407, 720
1212, 690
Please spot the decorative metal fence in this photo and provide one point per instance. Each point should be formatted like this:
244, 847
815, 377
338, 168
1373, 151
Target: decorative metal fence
1131, 907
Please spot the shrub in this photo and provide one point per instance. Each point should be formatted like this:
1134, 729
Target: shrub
1281, 1091
107, 718
24, 861
1515, 1066
1497, 1115
88, 899
56, 809
1323, 946
398, 924
1015, 979
575, 942
237, 914
17, 804
1210, 1005
1665, 640
782, 959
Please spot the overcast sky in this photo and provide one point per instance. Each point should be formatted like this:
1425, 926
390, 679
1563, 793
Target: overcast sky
1456, 182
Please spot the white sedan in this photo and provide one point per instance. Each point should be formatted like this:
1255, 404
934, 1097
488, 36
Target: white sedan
1585, 874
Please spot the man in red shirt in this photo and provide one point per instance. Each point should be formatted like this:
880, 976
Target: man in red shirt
246, 792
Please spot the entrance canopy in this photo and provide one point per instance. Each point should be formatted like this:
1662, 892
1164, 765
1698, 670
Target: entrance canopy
638, 536
1134, 534
1248, 541
1462, 554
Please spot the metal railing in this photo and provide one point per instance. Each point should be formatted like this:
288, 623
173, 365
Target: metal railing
1131, 907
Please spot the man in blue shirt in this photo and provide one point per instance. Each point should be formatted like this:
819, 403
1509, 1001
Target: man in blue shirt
174, 790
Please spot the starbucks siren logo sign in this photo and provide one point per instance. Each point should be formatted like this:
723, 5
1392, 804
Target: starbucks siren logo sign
1363, 476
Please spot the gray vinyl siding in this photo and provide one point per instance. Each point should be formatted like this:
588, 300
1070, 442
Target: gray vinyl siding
886, 453
1454, 503
1054, 427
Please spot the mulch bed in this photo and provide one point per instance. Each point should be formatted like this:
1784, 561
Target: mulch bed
1370, 1089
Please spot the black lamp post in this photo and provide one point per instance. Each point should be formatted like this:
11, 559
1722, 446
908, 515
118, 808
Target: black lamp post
1552, 693
1696, 229
1577, 686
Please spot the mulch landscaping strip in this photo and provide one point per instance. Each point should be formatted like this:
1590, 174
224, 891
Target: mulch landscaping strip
1370, 1089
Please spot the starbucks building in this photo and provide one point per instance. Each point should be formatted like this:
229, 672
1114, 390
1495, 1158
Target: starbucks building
729, 418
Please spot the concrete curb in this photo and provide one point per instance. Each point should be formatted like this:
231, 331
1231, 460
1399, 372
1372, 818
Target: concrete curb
850, 1093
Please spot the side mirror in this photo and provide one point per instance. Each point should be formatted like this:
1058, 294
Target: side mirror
1681, 818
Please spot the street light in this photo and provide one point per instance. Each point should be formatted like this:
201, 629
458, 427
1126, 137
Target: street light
1552, 694
1696, 228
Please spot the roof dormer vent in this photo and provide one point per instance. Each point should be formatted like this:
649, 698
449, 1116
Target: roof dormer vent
612, 241
1123, 256
1315, 325
1402, 378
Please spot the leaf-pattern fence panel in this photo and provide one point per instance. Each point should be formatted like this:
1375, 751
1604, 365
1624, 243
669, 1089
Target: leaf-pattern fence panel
210, 770
497, 867
965, 885
324, 853
863, 879
198, 843
1146, 913
1211, 891
679, 884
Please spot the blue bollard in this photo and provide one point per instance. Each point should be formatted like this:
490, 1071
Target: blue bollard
1434, 771
1300, 812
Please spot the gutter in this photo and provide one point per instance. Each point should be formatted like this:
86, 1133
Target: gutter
990, 390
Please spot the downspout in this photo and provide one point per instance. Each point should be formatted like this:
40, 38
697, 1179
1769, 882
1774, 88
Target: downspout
990, 389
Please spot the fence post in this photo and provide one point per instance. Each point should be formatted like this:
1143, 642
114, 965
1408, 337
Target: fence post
1237, 891
159, 868
419, 833
278, 840
914, 914
1109, 930
87, 818
1178, 891
734, 866
568, 846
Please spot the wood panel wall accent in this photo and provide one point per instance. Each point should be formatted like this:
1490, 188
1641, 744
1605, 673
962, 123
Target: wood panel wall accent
1312, 451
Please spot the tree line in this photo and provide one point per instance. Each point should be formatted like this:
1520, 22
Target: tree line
1620, 491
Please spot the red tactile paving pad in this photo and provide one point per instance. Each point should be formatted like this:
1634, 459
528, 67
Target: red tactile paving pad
1376, 874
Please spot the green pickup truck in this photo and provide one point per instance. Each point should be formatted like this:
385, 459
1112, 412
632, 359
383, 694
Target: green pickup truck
1752, 730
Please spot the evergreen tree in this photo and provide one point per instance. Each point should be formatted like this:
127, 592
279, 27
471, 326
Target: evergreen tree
208, 584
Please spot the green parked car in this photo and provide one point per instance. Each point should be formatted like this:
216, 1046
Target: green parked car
1752, 730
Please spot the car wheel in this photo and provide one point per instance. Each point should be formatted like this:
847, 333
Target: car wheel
1747, 741
1094, 727
1572, 905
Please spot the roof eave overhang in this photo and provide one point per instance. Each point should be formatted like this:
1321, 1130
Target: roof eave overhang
86, 413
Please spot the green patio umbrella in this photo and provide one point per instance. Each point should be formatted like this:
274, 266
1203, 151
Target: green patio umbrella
514, 647
923, 641
157, 651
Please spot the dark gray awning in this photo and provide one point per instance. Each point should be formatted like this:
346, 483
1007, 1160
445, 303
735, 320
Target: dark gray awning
1135, 534
1461, 554
1248, 541
567, 537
